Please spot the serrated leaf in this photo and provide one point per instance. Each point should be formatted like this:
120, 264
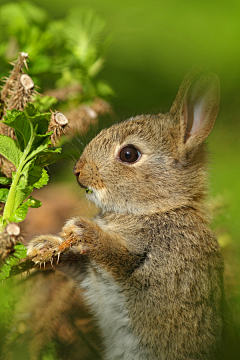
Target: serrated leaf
21, 195
43, 179
54, 150
20, 251
44, 150
40, 149
40, 122
6, 268
5, 180
19, 121
31, 131
21, 213
23, 189
34, 174
26, 170
5, 271
25, 122
30, 109
3, 195
41, 140
9, 149
43, 160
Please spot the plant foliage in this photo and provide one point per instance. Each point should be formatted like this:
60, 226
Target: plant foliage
29, 153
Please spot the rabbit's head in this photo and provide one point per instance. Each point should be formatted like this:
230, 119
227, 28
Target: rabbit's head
153, 163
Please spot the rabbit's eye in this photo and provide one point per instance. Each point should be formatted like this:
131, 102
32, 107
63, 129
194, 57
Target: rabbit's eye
129, 154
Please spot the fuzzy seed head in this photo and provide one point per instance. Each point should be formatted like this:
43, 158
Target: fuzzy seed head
26, 82
60, 119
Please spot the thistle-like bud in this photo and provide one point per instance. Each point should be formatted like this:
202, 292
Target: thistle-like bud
17, 91
26, 82
58, 124
11, 80
8, 238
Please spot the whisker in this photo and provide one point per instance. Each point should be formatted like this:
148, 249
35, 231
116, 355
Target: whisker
78, 140
75, 147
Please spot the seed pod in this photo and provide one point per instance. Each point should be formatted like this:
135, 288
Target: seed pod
26, 82
8, 238
11, 80
58, 124
60, 119
13, 229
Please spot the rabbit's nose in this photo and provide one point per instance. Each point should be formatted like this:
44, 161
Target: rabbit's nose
76, 171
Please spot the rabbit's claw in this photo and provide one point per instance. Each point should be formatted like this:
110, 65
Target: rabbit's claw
43, 248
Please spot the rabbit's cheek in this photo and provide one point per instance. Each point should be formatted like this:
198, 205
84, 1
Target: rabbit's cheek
89, 177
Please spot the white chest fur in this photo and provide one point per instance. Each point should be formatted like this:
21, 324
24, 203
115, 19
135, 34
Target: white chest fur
108, 303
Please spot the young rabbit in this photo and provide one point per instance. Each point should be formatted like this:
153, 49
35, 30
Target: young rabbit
151, 268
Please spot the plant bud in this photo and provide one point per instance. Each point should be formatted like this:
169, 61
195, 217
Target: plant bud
26, 82
60, 119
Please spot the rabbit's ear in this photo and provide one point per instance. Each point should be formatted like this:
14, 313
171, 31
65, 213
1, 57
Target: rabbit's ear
196, 108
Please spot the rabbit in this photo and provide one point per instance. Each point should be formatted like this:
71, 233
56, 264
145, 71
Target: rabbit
151, 268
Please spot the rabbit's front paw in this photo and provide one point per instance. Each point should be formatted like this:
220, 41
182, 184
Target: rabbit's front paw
43, 248
81, 233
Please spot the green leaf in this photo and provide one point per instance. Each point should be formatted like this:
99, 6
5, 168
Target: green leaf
19, 121
38, 150
9, 150
21, 195
20, 253
6, 268
34, 174
42, 180
32, 137
25, 122
21, 213
43, 150
30, 109
41, 122
23, 189
5, 271
33, 203
54, 150
41, 140
3, 195
5, 180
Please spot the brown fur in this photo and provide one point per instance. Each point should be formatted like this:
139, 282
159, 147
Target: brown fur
152, 234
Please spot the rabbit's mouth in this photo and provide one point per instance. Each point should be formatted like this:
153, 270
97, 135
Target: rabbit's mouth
88, 191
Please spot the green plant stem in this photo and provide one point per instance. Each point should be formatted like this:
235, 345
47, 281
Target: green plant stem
9, 206
8, 209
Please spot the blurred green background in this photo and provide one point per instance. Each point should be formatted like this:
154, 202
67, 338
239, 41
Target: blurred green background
153, 44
